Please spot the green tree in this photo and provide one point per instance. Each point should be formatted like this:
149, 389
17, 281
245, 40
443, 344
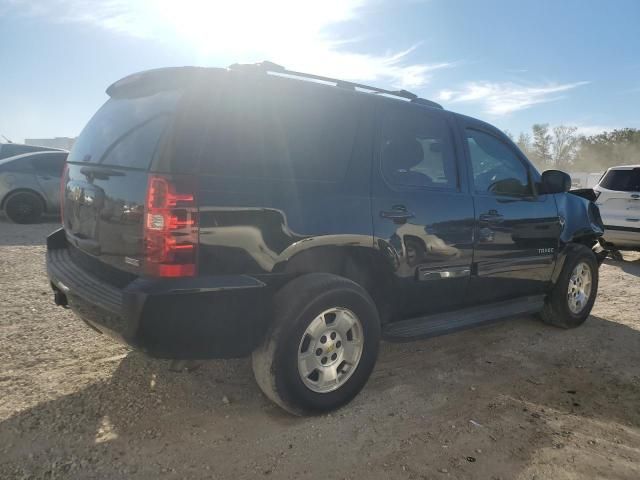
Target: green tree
564, 146
524, 143
541, 147
607, 149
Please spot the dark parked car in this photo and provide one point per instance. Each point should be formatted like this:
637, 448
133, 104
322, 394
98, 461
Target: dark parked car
12, 149
30, 185
213, 213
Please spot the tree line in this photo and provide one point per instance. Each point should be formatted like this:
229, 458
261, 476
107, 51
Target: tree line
563, 148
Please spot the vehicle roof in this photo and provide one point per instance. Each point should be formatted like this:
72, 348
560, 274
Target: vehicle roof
624, 167
155, 80
32, 154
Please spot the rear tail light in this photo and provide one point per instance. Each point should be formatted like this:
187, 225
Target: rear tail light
63, 187
170, 229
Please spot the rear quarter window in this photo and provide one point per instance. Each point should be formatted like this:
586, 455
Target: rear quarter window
277, 129
417, 149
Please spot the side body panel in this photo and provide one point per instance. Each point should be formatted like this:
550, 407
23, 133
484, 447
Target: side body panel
620, 209
269, 226
516, 238
429, 252
18, 175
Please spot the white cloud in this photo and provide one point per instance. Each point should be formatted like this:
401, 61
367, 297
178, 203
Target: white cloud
290, 32
504, 98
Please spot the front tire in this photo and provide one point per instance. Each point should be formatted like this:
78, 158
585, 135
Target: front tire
24, 207
321, 346
574, 293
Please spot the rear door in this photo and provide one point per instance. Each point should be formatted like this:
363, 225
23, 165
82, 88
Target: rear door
619, 199
106, 184
48, 169
422, 212
517, 230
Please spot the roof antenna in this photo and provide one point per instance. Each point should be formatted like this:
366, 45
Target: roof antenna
8, 141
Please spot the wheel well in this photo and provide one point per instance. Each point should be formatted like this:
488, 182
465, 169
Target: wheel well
24, 190
364, 266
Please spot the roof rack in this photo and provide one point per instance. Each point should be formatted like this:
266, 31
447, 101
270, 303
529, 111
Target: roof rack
267, 66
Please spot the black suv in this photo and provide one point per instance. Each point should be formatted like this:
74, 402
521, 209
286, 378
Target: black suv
215, 213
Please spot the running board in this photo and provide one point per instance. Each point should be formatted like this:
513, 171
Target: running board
449, 322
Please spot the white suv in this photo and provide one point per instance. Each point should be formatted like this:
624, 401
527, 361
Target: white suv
618, 196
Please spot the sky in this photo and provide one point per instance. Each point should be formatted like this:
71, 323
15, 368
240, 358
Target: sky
511, 63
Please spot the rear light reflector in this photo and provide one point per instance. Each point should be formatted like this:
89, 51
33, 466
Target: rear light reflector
170, 229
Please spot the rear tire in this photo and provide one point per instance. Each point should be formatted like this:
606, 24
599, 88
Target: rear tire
24, 207
569, 304
321, 347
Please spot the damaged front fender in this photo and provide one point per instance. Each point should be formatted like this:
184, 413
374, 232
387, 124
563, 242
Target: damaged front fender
581, 225
580, 219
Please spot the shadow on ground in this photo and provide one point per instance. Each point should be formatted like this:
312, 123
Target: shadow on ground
632, 267
477, 404
14, 234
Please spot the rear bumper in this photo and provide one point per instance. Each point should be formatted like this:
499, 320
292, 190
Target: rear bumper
186, 318
621, 237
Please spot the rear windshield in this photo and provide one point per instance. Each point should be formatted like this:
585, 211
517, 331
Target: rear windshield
622, 180
125, 131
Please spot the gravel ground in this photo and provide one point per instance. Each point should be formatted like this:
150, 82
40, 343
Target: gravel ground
517, 400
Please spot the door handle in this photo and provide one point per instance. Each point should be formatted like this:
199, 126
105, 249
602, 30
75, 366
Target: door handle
398, 213
44, 177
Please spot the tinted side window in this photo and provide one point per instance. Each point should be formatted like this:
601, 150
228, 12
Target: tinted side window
622, 180
496, 167
49, 164
280, 130
417, 150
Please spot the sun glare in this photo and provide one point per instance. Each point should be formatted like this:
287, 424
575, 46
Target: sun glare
283, 28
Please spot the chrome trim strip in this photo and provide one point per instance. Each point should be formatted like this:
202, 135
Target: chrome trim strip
427, 275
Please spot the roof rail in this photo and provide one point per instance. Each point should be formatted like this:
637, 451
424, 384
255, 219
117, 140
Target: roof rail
267, 66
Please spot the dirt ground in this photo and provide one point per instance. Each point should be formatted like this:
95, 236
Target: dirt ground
517, 400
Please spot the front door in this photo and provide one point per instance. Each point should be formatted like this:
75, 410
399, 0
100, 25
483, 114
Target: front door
422, 212
517, 230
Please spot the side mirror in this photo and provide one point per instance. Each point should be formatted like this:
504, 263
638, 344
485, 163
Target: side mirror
555, 181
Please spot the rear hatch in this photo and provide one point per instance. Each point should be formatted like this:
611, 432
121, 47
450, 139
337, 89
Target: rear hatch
619, 197
106, 194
